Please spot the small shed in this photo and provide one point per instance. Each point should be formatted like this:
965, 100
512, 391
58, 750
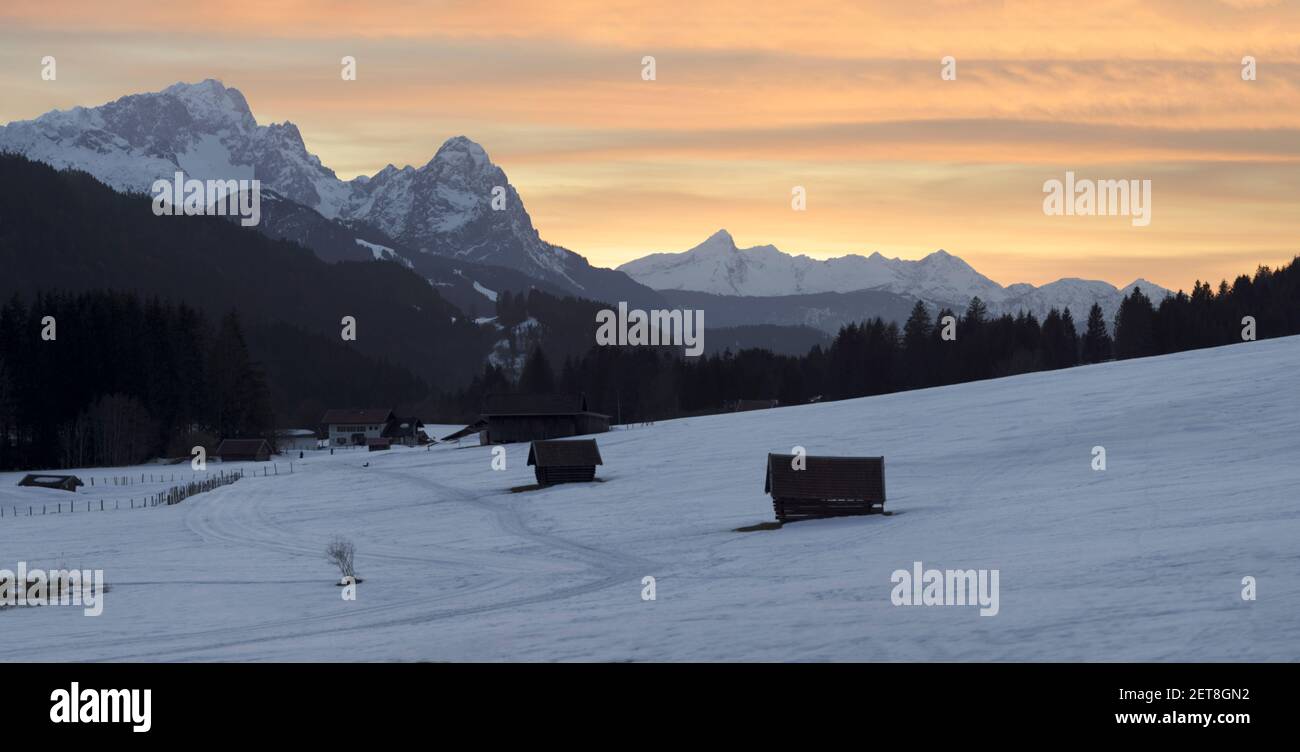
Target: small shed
379, 445
244, 450
572, 461
824, 486
58, 482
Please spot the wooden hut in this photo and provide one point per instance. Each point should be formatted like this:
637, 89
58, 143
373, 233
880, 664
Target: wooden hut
57, 482
825, 486
244, 450
379, 445
572, 461
527, 417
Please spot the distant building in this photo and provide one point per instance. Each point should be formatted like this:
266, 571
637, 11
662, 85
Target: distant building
59, 482
477, 427
354, 427
244, 450
527, 417
407, 431
296, 439
378, 445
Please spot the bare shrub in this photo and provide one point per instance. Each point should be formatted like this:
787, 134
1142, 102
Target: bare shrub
340, 552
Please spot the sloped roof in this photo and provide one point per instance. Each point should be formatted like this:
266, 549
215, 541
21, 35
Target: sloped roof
242, 446
534, 404
826, 478
370, 415
472, 428
568, 453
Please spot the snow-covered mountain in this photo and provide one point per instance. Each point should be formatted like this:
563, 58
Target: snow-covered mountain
717, 266
208, 131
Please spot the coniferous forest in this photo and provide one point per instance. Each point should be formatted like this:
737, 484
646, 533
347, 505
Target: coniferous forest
637, 384
116, 380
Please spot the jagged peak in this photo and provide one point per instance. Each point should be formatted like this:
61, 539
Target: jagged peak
459, 148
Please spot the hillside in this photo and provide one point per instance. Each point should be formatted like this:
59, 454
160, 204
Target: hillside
66, 231
1143, 561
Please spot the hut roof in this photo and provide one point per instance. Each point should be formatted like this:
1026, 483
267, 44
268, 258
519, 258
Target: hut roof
40, 480
472, 428
242, 446
534, 404
371, 415
826, 478
570, 453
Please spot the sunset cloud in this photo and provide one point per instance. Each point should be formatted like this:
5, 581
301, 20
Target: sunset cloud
751, 99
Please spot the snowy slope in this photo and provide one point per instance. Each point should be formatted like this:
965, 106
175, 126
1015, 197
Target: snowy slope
1143, 561
717, 266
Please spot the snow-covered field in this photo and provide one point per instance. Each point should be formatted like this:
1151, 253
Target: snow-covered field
1142, 561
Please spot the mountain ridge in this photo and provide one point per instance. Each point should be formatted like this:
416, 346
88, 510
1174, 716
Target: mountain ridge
207, 130
718, 266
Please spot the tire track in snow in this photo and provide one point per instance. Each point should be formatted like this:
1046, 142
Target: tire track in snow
611, 569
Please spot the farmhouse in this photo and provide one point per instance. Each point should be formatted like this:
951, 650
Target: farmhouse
345, 427
572, 461
526, 417
244, 450
805, 486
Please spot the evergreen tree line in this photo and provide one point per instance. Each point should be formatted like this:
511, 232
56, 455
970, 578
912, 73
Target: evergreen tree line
637, 384
106, 378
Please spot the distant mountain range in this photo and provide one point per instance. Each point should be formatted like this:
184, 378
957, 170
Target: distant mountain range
438, 221
208, 131
717, 267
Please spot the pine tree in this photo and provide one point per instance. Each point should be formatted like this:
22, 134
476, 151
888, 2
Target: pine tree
537, 377
1070, 351
1096, 340
1135, 326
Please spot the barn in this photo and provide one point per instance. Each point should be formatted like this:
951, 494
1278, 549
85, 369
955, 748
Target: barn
58, 482
244, 450
808, 486
529, 417
572, 461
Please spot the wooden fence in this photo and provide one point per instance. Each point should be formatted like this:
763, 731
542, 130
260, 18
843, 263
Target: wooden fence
173, 495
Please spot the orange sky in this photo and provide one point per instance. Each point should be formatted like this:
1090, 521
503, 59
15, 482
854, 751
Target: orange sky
844, 99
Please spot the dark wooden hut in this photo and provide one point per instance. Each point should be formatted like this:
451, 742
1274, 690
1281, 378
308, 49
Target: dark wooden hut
825, 487
244, 450
528, 417
379, 445
58, 482
572, 461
